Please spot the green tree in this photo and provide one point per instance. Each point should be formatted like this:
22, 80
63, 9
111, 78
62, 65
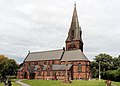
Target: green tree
116, 62
106, 61
110, 67
7, 66
94, 69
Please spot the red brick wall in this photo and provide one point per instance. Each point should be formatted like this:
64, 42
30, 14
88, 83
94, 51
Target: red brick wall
85, 73
77, 43
85, 69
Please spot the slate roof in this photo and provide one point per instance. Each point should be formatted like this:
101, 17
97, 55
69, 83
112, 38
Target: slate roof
31, 68
61, 67
73, 55
44, 68
45, 55
36, 67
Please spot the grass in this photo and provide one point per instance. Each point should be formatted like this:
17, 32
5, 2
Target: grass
117, 83
15, 84
60, 83
1, 84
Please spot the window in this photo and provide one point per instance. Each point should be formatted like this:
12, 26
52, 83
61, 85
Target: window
72, 46
79, 67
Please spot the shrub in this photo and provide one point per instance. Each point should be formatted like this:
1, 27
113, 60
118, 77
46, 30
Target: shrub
111, 75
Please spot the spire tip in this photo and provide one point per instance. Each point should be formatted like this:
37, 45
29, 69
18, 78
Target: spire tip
75, 4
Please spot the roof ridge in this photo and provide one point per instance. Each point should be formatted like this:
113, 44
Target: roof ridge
45, 51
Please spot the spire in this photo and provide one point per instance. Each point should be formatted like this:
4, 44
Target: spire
74, 31
74, 39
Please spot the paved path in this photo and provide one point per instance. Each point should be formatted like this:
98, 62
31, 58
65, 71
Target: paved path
21, 83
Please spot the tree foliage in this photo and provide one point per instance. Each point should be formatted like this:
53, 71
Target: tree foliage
7, 66
110, 67
105, 61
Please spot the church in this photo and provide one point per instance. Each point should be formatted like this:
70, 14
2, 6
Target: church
55, 64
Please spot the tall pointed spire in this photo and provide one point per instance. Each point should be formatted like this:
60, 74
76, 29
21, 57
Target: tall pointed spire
75, 22
75, 32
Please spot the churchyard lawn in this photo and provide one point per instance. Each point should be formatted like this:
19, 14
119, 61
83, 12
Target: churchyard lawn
74, 83
116, 83
60, 83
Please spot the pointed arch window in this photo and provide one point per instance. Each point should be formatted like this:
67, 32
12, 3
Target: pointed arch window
48, 71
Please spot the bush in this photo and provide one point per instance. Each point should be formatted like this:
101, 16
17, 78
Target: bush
113, 75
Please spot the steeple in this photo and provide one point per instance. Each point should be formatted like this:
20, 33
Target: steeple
74, 34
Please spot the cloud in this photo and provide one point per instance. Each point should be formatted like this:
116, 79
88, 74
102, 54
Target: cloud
36, 25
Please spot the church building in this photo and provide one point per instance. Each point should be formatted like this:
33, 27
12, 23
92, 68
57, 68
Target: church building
55, 64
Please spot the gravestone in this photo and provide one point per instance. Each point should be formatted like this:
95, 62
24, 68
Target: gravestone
108, 83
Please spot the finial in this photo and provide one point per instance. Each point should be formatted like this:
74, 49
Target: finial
75, 4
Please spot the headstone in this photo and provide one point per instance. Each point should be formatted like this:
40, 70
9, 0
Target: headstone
108, 83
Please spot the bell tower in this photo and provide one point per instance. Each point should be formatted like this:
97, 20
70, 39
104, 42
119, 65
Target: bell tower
74, 39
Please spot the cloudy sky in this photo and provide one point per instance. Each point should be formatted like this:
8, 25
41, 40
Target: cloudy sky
40, 25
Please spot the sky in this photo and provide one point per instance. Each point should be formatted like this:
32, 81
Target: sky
41, 25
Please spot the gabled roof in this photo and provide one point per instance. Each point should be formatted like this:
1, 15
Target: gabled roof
44, 68
36, 68
70, 55
73, 55
45, 55
58, 67
31, 68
